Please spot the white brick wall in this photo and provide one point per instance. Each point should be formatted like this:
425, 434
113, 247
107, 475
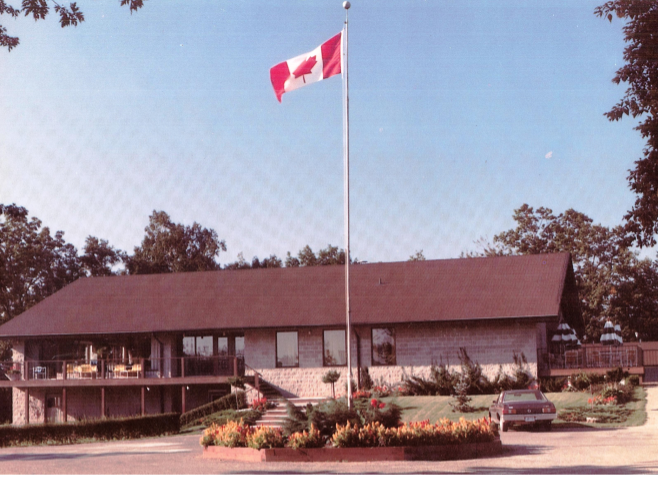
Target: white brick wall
418, 346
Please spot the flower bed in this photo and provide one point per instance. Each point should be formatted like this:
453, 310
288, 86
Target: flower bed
413, 441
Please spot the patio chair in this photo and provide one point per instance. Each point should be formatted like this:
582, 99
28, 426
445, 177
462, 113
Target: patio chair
39, 372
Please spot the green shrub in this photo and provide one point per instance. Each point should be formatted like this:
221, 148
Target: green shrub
370, 411
224, 403
326, 415
472, 374
249, 417
297, 420
365, 378
101, 429
615, 375
552, 385
623, 394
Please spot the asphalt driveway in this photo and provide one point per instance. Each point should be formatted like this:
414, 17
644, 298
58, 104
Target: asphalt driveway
583, 451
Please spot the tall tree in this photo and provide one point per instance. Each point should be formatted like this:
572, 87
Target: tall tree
33, 264
605, 267
640, 72
39, 10
634, 301
169, 247
100, 258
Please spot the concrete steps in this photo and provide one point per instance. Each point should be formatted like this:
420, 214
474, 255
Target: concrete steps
276, 417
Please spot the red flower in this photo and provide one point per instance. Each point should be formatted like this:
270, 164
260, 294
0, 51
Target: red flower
381, 405
374, 402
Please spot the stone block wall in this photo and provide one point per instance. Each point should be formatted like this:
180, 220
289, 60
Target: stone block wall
418, 346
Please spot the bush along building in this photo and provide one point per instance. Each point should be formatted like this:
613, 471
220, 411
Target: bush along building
145, 344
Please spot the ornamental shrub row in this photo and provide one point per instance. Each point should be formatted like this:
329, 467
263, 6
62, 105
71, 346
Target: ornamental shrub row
222, 404
443, 432
101, 429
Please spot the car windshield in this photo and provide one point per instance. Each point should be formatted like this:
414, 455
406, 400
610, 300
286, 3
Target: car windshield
523, 396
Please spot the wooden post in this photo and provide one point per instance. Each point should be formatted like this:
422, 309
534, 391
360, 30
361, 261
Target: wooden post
102, 368
235, 366
142, 375
64, 408
27, 405
26, 369
183, 369
102, 402
183, 399
142, 402
63, 369
256, 385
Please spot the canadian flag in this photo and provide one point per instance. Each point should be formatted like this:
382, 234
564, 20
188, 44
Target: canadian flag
321, 63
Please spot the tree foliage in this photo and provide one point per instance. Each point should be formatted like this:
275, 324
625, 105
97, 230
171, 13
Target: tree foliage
99, 257
418, 256
610, 278
331, 255
169, 247
640, 72
271, 262
33, 263
39, 10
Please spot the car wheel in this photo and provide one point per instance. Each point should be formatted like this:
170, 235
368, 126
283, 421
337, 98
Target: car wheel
504, 427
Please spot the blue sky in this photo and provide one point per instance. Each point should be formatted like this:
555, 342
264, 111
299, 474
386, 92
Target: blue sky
460, 113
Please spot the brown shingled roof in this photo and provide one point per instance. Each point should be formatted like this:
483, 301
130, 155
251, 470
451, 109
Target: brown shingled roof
528, 286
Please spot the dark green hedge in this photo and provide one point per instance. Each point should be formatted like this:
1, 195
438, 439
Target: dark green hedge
225, 402
102, 429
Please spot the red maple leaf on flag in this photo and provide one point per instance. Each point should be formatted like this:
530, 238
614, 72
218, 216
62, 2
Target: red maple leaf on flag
305, 68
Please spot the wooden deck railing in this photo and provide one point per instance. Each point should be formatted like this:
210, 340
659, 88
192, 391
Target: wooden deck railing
137, 368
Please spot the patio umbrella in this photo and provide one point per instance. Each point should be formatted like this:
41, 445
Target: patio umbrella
574, 341
609, 338
565, 338
617, 335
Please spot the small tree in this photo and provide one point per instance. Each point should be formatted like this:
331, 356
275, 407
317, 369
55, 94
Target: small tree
237, 383
331, 377
461, 388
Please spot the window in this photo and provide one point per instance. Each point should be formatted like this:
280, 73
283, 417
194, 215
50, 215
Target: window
287, 349
239, 345
334, 348
383, 347
223, 346
198, 345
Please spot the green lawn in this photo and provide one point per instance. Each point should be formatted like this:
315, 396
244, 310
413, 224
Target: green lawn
418, 408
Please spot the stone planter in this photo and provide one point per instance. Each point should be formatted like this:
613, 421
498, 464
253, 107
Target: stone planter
356, 454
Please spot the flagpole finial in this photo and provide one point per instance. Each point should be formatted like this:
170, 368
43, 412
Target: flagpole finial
347, 5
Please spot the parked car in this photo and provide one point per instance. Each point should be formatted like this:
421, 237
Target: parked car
522, 406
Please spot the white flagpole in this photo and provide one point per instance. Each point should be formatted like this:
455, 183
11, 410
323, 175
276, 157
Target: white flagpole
347, 229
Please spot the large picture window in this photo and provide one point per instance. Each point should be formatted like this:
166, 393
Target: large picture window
334, 348
198, 345
383, 347
287, 349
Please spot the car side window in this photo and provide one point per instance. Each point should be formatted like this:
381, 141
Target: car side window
501, 398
